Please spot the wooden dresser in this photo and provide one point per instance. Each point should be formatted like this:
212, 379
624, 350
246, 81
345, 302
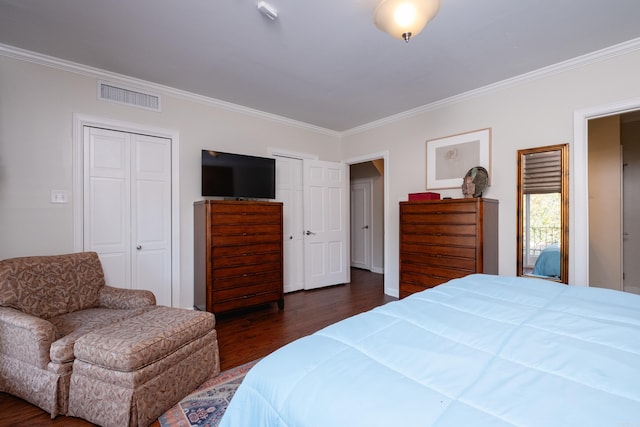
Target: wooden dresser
237, 254
446, 239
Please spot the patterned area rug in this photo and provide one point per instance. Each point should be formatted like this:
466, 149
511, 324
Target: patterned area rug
205, 406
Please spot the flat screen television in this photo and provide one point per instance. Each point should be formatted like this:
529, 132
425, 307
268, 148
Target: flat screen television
238, 176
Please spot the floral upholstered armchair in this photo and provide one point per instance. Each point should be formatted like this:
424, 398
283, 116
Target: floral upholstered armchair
46, 304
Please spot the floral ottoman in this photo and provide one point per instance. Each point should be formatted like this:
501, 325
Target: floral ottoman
130, 372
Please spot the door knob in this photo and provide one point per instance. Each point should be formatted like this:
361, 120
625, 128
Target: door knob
138, 247
366, 227
309, 233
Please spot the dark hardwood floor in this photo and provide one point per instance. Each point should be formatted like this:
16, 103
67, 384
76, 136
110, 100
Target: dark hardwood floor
250, 334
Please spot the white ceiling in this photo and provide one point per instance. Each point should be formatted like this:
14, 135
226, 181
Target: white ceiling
321, 62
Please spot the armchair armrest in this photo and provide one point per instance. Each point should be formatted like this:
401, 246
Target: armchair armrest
111, 297
25, 337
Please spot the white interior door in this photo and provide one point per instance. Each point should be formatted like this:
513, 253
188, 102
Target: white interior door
361, 225
107, 198
326, 222
289, 191
151, 216
127, 208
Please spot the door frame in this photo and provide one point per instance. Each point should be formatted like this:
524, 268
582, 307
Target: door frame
82, 120
579, 188
389, 282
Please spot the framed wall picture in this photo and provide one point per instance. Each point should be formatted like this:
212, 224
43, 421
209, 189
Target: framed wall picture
451, 157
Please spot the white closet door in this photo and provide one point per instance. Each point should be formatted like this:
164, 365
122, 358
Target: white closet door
107, 202
151, 215
326, 220
127, 208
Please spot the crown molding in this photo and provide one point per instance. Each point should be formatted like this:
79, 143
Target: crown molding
74, 67
580, 61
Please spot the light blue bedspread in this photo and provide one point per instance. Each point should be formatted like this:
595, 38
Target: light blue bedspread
479, 351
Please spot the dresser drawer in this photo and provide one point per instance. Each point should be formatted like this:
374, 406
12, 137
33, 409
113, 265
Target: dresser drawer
245, 291
272, 217
243, 209
245, 239
429, 260
421, 280
407, 289
440, 229
420, 273
243, 250
438, 208
246, 270
244, 229
429, 239
246, 259
245, 280
456, 251
245, 301
453, 218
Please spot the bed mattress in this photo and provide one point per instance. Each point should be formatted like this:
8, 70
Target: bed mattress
478, 351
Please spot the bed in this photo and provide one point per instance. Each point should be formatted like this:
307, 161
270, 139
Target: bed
548, 262
478, 351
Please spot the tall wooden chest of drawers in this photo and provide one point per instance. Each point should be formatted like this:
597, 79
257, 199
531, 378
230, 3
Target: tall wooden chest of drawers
446, 239
237, 254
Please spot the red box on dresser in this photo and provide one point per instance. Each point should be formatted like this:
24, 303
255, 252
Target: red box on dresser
424, 196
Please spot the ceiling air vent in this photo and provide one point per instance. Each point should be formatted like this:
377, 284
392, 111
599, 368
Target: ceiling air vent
128, 96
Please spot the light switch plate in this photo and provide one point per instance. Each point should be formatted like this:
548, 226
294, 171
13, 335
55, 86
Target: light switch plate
60, 196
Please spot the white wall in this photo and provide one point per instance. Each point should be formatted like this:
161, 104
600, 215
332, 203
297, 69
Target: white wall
37, 104
522, 114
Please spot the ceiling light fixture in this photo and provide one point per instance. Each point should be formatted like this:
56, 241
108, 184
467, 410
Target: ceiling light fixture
404, 19
267, 10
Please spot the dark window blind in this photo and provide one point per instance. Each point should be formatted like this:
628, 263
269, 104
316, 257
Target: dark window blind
542, 172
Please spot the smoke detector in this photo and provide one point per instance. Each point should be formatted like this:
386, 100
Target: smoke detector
267, 10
